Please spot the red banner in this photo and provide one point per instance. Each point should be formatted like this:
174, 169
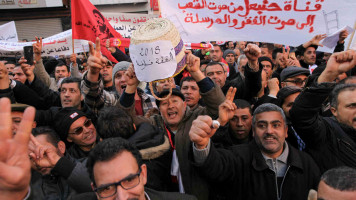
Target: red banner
88, 24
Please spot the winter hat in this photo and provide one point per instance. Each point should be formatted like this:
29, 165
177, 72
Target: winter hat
120, 66
64, 119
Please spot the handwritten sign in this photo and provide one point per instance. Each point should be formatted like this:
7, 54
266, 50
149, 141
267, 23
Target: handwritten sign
286, 22
153, 61
59, 44
8, 32
125, 23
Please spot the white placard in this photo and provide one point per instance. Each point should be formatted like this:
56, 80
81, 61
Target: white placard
283, 22
331, 40
8, 32
153, 61
126, 23
59, 44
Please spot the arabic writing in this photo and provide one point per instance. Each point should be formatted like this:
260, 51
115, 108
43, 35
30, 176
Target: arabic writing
239, 16
152, 61
122, 18
8, 38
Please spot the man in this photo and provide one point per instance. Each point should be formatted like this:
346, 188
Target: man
152, 142
106, 71
241, 63
338, 184
191, 92
307, 52
267, 50
332, 136
178, 118
241, 44
267, 66
75, 128
217, 54
19, 75
15, 161
217, 72
117, 172
286, 97
294, 76
164, 85
97, 98
266, 168
17, 115
229, 45
10, 66
229, 56
61, 69
238, 129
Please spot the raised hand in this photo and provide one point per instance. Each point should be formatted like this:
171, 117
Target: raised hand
193, 66
253, 52
15, 168
338, 63
315, 41
73, 58
273, 86
42, 156
342, 36
201, 131
131, 80
27, 69
95, 61
227, 108
37, 48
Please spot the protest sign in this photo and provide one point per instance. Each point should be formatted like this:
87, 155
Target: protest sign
125, 23
88, 23
154, 60
59, 44
285, 22
8, 32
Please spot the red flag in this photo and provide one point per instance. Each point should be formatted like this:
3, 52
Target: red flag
88, 24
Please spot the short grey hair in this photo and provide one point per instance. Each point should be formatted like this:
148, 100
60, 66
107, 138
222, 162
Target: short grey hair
242, 56
337, 90
341, 178
267, 107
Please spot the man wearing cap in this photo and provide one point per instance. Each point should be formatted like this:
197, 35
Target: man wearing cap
97, 98
74, 127
229, 56
17, 110
178, 119
294, 76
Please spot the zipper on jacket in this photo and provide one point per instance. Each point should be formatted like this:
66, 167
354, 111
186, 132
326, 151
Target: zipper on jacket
283, 182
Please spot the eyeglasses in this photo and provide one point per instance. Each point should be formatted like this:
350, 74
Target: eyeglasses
298, 82
79, 130
127, 183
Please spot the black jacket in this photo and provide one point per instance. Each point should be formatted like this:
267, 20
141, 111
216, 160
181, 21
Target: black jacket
245, 174
330, 143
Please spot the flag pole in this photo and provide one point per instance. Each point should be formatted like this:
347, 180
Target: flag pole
352, 37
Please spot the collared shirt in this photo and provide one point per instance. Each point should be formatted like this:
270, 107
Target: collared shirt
278, 165
147, 197
175, 171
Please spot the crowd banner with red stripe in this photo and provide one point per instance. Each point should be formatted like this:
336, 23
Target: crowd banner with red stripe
88, 24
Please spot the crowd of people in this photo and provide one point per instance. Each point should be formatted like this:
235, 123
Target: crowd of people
243, 120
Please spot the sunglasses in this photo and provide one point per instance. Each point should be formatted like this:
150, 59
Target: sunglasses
79, 130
